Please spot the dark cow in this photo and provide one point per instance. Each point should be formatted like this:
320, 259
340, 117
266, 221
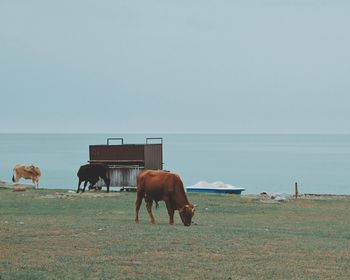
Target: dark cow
92, 173
158, 185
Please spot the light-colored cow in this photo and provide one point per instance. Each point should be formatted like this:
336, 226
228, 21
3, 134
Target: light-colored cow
27, 172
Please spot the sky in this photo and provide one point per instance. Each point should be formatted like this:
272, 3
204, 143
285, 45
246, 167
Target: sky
160, 66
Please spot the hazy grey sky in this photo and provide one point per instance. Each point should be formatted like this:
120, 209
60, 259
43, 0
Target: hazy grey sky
264, 66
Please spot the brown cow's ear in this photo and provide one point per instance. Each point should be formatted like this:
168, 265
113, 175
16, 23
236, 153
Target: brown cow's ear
189, 209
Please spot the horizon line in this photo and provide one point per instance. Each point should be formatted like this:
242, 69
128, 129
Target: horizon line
193, 133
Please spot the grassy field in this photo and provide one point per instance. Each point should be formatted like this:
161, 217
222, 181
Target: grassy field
53, 234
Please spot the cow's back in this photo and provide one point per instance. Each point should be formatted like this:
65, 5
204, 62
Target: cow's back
157, 183
19, 168
91, 170
23, 169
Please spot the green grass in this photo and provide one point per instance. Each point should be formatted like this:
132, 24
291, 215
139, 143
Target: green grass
44, 235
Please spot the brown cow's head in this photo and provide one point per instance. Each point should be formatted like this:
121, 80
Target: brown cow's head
34, 170
186, 214
37, 171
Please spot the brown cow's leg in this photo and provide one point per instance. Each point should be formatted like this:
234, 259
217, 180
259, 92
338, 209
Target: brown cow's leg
149, 203
17, 178
170, 212
35, 182
137, 206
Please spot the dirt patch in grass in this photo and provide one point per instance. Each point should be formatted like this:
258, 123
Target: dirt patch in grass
71, 195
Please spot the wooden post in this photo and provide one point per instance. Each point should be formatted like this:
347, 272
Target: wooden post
296, 190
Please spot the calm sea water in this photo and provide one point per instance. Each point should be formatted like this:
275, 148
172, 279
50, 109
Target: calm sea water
271, 163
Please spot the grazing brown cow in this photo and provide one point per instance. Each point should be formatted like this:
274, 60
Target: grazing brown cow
155, 186
27, 172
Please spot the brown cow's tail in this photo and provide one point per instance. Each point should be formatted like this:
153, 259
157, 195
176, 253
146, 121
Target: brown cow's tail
13, 176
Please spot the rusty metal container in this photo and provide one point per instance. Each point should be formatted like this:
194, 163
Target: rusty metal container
125, 161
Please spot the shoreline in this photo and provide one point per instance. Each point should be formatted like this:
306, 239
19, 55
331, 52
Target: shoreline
22, 187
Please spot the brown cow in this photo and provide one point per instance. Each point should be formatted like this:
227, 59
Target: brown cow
155, 186
27, 172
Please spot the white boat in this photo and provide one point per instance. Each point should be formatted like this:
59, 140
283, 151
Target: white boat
215, 187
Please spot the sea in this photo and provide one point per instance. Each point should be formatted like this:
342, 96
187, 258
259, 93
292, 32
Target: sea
271, 163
